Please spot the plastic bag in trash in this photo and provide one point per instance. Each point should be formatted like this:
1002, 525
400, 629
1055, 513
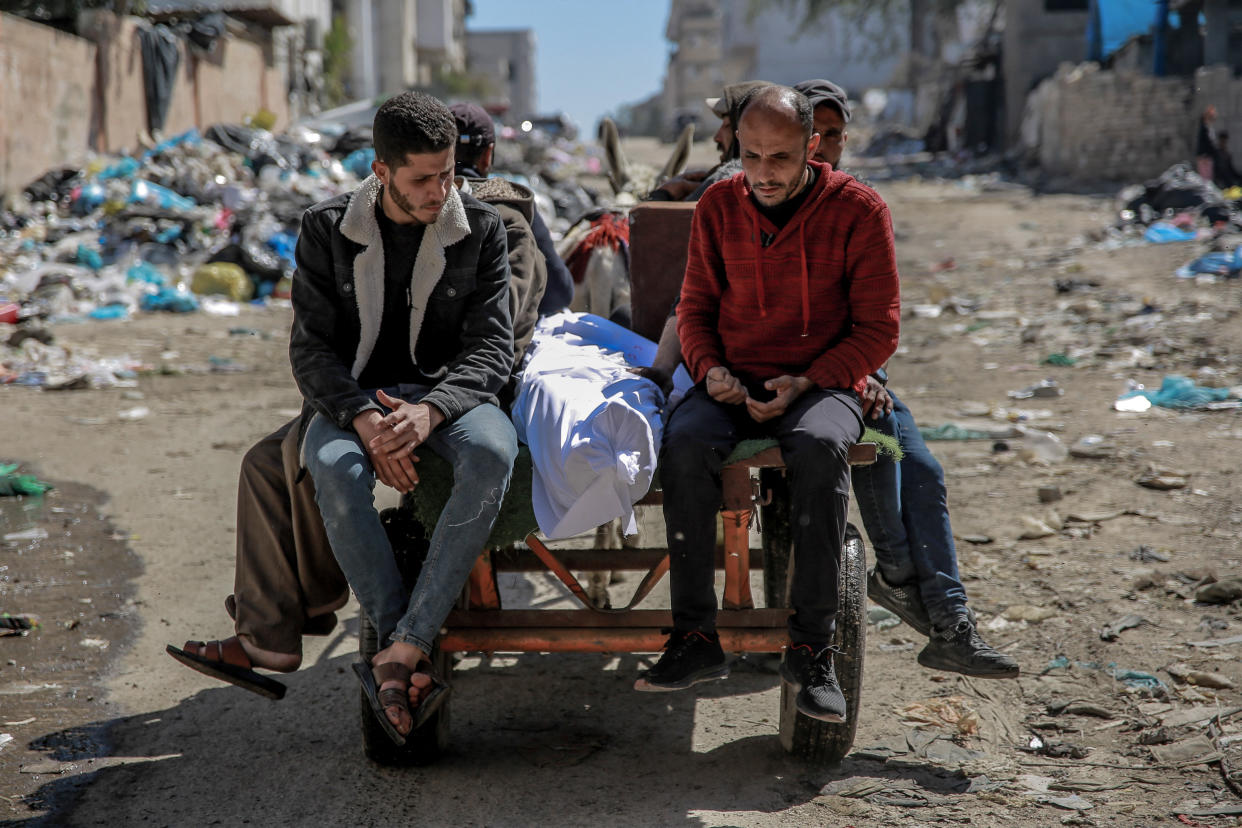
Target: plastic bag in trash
1180, 392
1163, 232
223, 279
1214, 264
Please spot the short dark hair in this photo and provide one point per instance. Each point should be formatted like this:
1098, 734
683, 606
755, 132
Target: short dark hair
780, 100
412, 122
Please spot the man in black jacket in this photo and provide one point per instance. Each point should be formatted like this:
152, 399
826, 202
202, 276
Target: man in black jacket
287, 583
402, 337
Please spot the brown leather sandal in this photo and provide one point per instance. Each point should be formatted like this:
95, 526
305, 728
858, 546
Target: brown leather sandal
228, 662
380, 700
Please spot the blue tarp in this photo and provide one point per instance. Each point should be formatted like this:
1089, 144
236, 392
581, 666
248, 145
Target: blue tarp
1113, 22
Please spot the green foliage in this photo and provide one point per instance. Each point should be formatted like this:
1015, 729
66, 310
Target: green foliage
337, 48
449, 83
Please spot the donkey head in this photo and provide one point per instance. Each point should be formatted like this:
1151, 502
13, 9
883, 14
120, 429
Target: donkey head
637, 180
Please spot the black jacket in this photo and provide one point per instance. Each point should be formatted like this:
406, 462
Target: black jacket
460, 330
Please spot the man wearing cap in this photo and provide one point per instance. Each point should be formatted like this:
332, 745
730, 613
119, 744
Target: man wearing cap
476, 145
904, 505
690, 186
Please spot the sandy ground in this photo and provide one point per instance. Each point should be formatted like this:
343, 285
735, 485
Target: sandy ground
561, 739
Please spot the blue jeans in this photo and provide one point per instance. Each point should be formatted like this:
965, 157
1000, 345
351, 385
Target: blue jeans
905, 510
481, 446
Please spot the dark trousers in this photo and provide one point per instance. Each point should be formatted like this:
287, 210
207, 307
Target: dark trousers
815, 435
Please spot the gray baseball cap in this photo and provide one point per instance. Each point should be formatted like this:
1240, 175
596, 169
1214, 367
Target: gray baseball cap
821, 91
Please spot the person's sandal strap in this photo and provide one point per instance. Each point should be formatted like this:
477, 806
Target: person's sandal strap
393, 696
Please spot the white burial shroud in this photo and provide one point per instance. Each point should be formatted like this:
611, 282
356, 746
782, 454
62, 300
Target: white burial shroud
593, 427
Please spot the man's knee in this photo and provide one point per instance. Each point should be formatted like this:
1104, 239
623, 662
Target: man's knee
684, 455
829, 451
489, 455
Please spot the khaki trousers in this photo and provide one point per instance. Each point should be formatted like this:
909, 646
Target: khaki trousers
286, 572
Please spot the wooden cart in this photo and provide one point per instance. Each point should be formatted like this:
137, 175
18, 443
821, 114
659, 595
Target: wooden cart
754, 484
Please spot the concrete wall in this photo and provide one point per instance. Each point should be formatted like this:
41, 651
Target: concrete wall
62, 96
858, 55
46, 99
1123, 126
1036, 42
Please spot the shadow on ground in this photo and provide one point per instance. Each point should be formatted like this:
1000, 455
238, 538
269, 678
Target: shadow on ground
593, 751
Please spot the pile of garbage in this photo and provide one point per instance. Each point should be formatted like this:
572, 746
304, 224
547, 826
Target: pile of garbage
211, 214
1180, 206
203, 222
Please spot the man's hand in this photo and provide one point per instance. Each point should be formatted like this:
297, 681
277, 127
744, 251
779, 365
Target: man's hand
875, 400
398, 473
787, 390
659, 376
408, 427
681, 186
723, 387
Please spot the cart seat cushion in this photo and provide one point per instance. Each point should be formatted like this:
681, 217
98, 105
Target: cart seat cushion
885, 445
435, 482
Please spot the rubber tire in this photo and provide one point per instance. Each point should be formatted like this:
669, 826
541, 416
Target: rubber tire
426, 744
777, 539
813, 741
423, 745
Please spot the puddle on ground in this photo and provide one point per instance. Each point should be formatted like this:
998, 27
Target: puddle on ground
62, 561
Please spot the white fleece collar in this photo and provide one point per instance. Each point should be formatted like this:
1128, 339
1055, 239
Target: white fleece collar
360, 226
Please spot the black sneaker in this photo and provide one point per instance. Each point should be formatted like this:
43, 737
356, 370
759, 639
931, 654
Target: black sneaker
903, 600
959, 649
689, 658
809, 669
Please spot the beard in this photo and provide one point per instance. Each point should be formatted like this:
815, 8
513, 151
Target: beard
404, 203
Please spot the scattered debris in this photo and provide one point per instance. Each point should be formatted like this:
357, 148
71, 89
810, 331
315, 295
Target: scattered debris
1199, 678
1196, 750
1162, 480
1028, 613
1111, 632
950, 712
1145, 554
1220, 592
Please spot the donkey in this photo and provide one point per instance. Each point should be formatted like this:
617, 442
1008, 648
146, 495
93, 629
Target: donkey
596, 250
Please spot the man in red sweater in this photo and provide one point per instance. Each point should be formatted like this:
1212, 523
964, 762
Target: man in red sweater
790, 300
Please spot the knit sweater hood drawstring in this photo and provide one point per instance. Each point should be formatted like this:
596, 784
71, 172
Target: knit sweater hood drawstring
821, 190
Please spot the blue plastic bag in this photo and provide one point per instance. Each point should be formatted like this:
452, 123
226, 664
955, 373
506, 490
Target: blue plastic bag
169, 299
124, 168
1180, 392
1162, 232
1216, 264
153, 195
359, 161
143, 272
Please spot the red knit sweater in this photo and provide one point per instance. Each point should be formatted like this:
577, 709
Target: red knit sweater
821, 301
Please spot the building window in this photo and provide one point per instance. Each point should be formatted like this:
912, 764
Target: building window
1065, 5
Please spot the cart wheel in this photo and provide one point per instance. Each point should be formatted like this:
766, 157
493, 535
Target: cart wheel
825, 743
423, 745
777, 539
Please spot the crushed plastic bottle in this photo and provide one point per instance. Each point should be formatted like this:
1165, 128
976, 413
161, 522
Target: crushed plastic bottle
1041, 447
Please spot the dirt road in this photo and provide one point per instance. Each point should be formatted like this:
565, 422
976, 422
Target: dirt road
562, 740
